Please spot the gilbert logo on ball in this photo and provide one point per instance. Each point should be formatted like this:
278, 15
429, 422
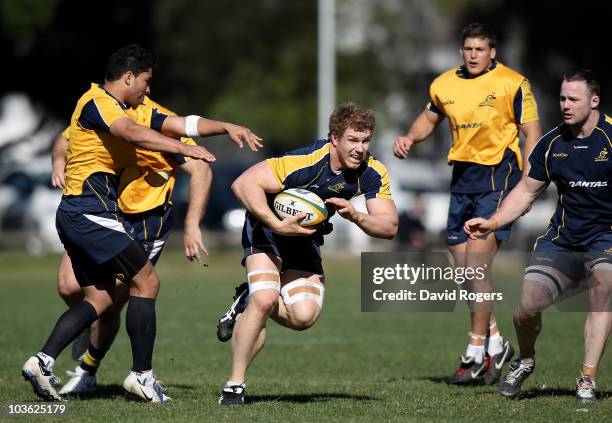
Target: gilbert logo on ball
295, 200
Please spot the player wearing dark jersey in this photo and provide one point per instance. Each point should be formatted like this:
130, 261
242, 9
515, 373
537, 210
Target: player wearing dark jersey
487, 104
282, 259
575, 156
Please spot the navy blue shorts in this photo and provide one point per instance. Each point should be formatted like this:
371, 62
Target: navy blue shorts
298, 253
97, 244
464, 207
571, 260
152, 229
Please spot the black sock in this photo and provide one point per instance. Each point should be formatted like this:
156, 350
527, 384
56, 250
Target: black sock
140, 324
92, 359
68, 327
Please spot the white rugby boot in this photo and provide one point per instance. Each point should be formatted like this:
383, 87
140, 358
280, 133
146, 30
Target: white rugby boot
136, 386
81, 382
42, 379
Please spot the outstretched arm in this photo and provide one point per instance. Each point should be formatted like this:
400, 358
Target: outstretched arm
149, 139
422, 128
251, 188
177, 126
380, 221
200, 179
514, 205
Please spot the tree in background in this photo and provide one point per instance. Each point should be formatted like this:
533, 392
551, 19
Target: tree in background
255, 61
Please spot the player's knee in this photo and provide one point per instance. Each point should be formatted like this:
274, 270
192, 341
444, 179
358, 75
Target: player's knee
264, 302
304, 300
536, 298
600, 291
304, 314
67, 285
527, 311
521, 315
264, 289
600, 304
145, 283
69, 289
100, 303
530, 307
477, 277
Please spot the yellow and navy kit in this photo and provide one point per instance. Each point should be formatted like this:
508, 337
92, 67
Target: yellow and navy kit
309, 168
484, 114
95, 156
581, 168
144, 193
149, 184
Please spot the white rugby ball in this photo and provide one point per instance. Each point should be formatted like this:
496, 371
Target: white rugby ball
294, 200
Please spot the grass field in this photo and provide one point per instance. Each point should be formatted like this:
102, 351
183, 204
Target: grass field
350, 366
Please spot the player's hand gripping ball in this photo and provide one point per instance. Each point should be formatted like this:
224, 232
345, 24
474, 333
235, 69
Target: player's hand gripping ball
294, 200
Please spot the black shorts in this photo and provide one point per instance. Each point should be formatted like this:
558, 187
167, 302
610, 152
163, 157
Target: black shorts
464, 207
572, 261
298, 253
152, 229
101, 246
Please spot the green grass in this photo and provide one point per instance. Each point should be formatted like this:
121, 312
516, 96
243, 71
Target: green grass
350, 366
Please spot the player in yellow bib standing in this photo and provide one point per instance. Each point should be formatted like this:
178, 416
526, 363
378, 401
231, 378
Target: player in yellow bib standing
144, 199
487, 104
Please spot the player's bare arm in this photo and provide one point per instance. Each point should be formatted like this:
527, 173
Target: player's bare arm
199, 190
251, 188
532, 133
176, 126
147, 138
514, 205
422, 128
58, 161
379, 222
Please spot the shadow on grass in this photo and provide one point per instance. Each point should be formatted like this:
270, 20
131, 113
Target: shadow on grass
558, 392
113, 391
444, 380
102, 392
527, 394
307, 398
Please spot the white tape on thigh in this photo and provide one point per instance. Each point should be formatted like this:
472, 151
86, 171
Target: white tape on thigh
315, 292
535, 274
600, 265
272, 283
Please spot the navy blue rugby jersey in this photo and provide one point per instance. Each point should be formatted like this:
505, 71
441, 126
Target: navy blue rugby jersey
309, 168
581, 168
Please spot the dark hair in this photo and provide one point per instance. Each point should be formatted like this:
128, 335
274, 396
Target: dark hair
478, 30
132, 58
590, 79
350, 115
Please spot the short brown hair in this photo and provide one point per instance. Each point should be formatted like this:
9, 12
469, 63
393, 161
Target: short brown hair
351, 115
478, 30
588, 77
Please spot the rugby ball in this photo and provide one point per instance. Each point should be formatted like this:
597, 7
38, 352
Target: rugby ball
294, 200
